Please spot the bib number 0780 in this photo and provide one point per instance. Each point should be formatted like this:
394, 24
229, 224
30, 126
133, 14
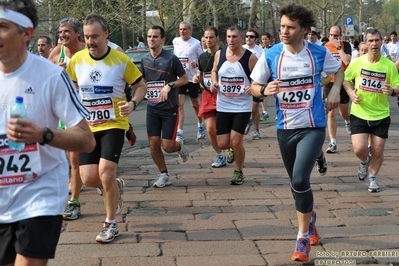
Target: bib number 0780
99, 115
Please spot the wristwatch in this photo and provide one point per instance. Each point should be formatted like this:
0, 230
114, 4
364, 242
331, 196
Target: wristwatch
171, 84
262, 90
47, 136
135, 105
339, 47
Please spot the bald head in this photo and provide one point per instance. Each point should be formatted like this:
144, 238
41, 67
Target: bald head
335, 33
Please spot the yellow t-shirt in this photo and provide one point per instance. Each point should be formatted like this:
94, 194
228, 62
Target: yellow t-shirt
101, 86
369, 80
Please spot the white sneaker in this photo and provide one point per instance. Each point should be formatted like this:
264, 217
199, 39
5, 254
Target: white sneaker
373, 185
164, 180
348, 128
332, 148
183, 153
363, 170
220, 161
181, 136
201, 131
109, 232
256, 134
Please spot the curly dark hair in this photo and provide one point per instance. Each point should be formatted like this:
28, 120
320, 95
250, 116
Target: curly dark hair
25, 7
304, 16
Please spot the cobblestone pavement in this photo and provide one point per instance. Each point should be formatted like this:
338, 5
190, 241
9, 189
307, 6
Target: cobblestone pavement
202, 220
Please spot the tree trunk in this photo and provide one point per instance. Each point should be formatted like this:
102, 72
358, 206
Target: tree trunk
214, 13
252, 16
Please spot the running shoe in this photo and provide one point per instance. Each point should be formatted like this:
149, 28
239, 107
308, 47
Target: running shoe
332, 148
163, 180
121, 188
230, 155
373, 185
370, 151
314, 236
183, 153
72, 211
302, 250
363, 170
264, 117
248, 127
220, 161
181, 136
109, 232
238, 178
321, 164
348, 128
201, 131
256, 134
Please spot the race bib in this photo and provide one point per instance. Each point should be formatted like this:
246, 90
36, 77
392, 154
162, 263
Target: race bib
296, 93
185, 63
101, 110
16, 167
154, 90
372, 81
207, 80
232, 86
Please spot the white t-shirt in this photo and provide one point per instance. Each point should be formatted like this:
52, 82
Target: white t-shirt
113, 45
256, 50
42, 185
188, 51
393, 49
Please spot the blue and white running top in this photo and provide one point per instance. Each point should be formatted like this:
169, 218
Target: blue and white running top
299, 103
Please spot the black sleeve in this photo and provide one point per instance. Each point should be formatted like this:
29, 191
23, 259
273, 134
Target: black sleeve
347, 48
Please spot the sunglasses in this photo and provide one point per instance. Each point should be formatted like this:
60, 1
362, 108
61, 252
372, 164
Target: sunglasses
250, 36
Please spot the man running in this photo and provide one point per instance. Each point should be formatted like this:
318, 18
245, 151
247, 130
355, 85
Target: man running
295, 67
33, 189
376, 78
188, 50
342, 51
231, 81
163, 74
207, 109
100, 73
70, 32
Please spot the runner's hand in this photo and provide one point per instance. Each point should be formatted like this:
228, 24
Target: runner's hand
125, 108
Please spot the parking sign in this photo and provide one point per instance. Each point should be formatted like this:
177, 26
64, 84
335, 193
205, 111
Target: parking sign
348, 20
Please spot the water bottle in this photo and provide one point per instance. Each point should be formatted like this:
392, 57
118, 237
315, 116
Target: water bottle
18, 110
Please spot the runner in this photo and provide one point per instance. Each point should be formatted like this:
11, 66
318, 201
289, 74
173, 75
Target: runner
188, 49
251, 40
101, 87
207, 108
376, 78
295, 67
163, 74
342, 51
69, 32
33, 189
230, 79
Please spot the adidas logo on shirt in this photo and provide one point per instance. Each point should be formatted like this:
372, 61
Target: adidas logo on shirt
29, 91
